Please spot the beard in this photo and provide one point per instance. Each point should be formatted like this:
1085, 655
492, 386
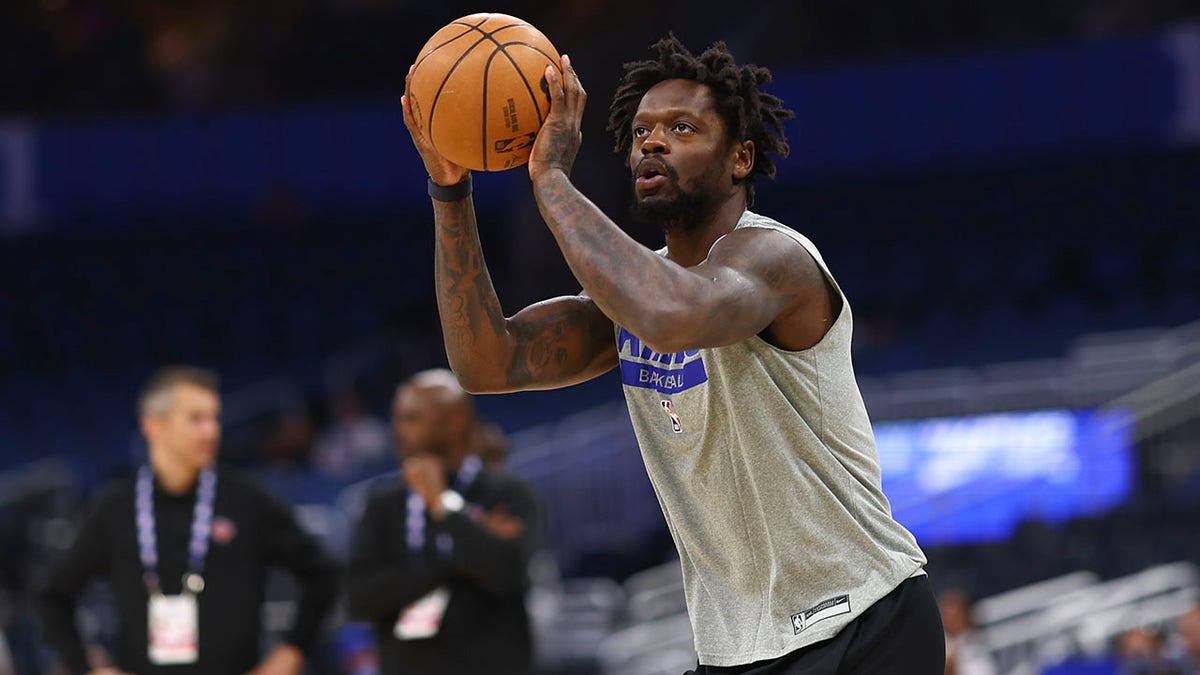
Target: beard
683, 211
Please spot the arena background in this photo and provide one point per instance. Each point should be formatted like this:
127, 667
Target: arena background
1009, 193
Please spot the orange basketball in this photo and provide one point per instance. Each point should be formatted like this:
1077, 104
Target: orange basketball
477, 91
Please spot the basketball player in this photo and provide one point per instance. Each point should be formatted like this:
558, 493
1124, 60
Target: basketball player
733, 344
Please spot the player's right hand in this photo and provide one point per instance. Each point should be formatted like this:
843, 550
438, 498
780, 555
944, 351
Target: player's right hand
441, 170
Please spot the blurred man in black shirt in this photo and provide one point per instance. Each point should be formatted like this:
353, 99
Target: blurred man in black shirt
184, 546
438, 562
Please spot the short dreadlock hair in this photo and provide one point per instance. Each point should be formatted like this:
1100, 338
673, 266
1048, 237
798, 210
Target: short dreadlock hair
749, 113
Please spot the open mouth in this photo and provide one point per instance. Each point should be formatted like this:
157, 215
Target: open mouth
650, 174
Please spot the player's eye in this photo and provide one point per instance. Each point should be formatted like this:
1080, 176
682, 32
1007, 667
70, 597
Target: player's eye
638, 132
683, 128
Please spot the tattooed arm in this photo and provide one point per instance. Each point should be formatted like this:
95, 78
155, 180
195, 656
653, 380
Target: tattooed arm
752, 281
550, 344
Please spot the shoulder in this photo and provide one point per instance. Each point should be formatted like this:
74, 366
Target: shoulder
754, 227
242, 492
503, 482
751, 219
114, 494
770, 250
385, 492
122, 487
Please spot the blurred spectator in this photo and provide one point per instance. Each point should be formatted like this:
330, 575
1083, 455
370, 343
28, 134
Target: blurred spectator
1189, 637
353, 441
291, 445
188, 42
439, 559
965, 653
1140, 652
184, 547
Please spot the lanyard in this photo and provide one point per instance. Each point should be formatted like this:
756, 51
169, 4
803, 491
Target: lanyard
202, 513
415, 518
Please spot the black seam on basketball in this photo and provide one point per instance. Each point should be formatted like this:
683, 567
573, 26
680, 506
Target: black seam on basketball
442, 86
483, 147
468, 31
486, 68
487, 35
529, 87
437, 47
520, 74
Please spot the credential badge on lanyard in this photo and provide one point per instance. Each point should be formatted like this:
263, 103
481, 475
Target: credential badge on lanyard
173, 620
423, 618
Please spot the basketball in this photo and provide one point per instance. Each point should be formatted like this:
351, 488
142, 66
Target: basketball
477, 91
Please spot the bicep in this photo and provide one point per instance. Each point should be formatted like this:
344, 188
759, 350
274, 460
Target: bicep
752, 279
556, 343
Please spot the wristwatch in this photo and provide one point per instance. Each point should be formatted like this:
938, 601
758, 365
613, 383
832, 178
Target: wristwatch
452, 501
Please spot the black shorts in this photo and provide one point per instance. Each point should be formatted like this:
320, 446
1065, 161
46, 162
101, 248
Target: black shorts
901, 634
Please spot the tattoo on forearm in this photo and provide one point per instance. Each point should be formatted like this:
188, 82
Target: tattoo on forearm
548, 343
592, 256
466, 299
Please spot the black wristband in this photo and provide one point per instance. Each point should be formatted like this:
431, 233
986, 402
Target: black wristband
450, 193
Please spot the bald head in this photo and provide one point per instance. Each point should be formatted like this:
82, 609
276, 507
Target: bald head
432, 413
439, 384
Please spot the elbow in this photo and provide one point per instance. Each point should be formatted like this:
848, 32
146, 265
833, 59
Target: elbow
668, 332
480, 370
475, 381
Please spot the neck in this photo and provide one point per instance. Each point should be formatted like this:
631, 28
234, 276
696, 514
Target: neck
690, 246
174, 478
454, 461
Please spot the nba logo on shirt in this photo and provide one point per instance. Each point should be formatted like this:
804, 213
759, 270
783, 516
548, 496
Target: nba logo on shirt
675, 425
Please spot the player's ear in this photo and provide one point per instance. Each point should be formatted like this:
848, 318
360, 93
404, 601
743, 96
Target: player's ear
743, 159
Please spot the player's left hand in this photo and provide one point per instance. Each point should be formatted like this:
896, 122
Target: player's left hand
558, 140
284, 659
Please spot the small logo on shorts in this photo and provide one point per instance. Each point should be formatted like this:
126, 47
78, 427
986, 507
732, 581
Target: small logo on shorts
823, 610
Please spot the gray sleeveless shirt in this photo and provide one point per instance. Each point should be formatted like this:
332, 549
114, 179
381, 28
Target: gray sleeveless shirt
765, 466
